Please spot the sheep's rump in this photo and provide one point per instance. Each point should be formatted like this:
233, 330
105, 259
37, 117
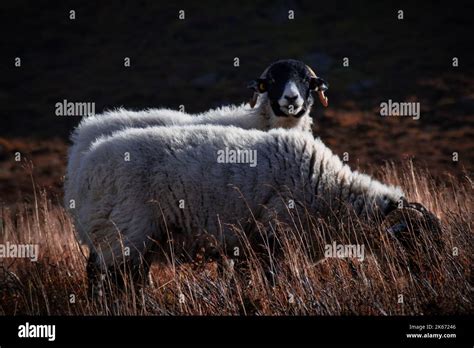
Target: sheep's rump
143, 184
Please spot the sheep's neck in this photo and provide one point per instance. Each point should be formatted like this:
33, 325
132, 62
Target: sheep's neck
303, 123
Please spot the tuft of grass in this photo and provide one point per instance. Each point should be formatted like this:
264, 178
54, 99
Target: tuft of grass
56, 284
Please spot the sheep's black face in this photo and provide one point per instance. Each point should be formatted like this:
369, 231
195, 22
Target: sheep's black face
288, 84
406, 223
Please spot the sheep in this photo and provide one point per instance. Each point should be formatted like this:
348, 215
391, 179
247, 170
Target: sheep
284, 100
176, 185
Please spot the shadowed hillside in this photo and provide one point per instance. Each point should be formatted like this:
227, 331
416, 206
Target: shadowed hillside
191, 62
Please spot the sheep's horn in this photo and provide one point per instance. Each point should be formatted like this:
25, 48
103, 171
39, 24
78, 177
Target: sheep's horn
253, 101
397, 228
264, 74
322, 98
433, 220
419, 207
311, 71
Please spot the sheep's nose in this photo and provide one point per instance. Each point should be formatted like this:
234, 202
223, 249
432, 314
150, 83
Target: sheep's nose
291, 100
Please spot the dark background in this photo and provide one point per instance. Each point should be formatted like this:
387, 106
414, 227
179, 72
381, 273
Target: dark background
190, 62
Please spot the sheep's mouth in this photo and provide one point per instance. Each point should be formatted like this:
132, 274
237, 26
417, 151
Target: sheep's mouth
282, 111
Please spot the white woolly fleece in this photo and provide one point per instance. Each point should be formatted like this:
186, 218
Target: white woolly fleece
174, 184
243, 116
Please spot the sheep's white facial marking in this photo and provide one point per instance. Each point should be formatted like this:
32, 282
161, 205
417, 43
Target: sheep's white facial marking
291, 101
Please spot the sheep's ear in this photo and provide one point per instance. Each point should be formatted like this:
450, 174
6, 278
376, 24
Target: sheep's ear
318, 84
258, 85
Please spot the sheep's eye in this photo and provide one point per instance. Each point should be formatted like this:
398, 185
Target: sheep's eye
261, 87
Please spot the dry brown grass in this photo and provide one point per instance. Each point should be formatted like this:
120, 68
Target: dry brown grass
441, 285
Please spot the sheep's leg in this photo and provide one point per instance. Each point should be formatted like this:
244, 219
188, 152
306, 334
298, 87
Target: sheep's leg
100, 278
95, 276
225, 266
129, 272
269, 251
266, 249
269, 268
240, 269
